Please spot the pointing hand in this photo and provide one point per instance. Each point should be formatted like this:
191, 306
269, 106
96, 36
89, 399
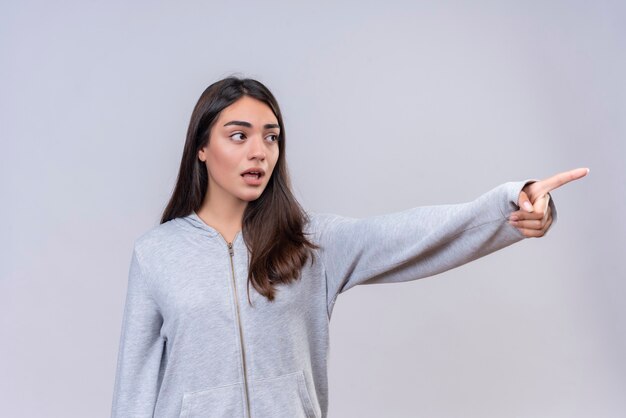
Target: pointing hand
535, 216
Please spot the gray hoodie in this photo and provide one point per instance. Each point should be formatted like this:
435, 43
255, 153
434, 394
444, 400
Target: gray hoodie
192, 346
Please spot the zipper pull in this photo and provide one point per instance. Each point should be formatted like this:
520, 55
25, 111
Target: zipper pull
230, 249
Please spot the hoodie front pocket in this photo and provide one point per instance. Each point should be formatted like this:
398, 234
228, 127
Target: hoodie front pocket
284, 396
218, 402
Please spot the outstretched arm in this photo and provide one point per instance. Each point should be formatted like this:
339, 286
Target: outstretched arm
424, 241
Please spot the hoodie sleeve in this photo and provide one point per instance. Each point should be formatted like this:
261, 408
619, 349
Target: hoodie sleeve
417, 242
140, 349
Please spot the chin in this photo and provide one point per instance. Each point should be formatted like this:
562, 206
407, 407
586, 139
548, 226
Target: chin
251, 196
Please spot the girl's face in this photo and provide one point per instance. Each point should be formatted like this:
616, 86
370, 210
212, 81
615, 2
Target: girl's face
244, 136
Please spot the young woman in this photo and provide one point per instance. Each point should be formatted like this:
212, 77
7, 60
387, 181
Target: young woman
229, 299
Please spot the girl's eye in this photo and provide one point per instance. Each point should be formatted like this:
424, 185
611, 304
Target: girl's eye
243, 136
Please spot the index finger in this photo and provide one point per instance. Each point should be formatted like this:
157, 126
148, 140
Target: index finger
560, 179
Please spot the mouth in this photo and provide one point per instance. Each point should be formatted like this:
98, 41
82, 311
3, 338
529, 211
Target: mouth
254, 173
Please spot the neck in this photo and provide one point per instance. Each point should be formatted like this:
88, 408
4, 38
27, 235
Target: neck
225, 215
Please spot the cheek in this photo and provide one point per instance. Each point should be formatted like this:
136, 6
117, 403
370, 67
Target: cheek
222, 164
217, 173
275, 159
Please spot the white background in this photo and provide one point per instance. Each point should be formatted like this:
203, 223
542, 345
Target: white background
387, 105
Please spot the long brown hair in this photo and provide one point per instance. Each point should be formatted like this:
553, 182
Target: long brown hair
272, 225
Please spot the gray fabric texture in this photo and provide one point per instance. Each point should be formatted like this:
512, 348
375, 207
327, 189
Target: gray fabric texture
192, 346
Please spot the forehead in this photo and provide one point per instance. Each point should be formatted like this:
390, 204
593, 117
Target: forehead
250, 110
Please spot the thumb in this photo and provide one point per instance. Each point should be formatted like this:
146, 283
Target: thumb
524, 202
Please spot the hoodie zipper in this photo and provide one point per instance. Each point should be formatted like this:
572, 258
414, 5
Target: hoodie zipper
243, 356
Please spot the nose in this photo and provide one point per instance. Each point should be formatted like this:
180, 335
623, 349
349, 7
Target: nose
257, 148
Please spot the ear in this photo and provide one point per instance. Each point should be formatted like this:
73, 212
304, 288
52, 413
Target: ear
202, 155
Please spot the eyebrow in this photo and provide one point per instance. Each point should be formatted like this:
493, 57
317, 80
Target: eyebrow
249, 125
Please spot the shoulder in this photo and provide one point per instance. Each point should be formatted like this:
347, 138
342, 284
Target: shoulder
320, 222
316, 220
153, 240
